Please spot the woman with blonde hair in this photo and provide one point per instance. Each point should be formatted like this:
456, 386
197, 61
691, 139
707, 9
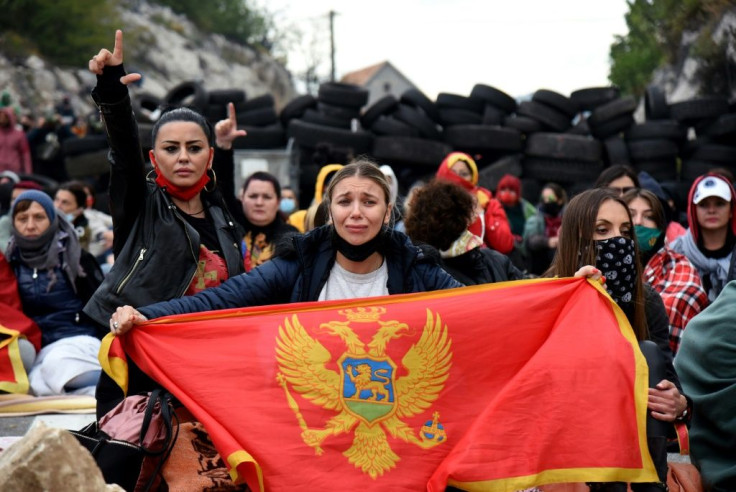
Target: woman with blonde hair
354, 255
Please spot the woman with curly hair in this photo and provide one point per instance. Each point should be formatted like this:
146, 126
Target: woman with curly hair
439, 215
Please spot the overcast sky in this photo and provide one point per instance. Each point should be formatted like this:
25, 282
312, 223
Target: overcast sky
518, 46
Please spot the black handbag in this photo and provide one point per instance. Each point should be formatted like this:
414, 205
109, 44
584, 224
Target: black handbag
133, 440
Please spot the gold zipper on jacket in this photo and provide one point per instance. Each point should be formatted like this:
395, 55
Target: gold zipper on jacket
132, 271
191, 250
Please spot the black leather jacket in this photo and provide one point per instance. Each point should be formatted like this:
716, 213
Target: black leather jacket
156, 250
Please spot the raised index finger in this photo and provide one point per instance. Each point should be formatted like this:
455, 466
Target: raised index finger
231, 114
118, 50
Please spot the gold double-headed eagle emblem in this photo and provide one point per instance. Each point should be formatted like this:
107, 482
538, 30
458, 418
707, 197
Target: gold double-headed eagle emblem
366, 393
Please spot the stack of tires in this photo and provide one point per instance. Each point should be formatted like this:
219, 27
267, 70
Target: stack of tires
714, 129
258, 117
473, 124
408, 135
559, 151
329, 122
654, 145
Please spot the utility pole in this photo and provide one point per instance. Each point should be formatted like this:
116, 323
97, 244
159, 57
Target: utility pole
332, 45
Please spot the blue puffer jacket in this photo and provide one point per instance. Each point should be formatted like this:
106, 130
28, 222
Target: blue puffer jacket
56, 311
299, 273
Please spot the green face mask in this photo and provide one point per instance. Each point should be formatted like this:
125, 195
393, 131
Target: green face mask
647, 237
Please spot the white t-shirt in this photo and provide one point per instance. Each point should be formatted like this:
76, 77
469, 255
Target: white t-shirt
342, 284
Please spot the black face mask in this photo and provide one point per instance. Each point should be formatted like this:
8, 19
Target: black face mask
361, 251
615, 258
551, 208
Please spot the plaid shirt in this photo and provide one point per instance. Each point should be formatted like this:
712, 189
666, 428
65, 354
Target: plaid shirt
677, 281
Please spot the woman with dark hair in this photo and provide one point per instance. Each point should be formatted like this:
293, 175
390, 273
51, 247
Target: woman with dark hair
355, 255
70, 198
262, 221
541, 230
491, 223
597, 229
439, 215
669, 273
620, 178
55, 279
173, 234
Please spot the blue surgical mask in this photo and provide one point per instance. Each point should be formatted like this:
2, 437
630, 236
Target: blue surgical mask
69, 218
287, 205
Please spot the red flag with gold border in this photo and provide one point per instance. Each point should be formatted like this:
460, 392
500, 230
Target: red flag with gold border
496, 387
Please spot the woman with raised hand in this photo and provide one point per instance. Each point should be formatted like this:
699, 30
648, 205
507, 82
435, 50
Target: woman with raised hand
173, 234
355, 255
597, 229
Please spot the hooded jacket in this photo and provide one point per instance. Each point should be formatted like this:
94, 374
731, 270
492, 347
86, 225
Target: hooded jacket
493, 226
715, 273
15, 154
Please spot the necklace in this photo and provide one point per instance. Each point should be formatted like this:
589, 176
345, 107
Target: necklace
195, 213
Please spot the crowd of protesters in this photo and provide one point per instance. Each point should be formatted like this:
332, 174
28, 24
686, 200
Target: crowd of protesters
72, 265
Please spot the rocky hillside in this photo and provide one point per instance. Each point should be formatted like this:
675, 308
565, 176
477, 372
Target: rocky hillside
706, 65
167, 49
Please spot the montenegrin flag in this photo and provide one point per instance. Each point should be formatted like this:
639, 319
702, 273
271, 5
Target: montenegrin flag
495, 387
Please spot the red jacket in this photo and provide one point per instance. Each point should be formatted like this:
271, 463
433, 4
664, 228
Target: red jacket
493, 226
15, 155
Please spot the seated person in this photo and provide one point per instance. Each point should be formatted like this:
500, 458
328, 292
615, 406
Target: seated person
669, 273
55, 279
439, 215
710, 240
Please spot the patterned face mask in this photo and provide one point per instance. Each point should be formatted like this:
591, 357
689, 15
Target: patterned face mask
615, 258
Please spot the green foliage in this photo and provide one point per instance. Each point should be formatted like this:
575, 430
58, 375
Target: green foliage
233, 19
713, 66
64, 31
655, 35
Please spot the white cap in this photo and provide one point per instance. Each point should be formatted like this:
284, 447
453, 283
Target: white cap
712, 186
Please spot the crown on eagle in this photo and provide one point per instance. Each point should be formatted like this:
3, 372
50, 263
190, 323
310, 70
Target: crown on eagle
363, 315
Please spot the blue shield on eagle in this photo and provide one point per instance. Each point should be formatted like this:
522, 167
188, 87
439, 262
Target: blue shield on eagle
368, 387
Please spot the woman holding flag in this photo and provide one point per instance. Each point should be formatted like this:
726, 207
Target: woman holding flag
597, 229
355, 255
173, 234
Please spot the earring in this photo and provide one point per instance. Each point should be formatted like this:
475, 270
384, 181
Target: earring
214, 182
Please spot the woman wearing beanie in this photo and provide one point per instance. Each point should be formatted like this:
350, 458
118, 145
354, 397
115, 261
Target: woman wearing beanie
517, 209
710, 240
491, 223
55, 279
